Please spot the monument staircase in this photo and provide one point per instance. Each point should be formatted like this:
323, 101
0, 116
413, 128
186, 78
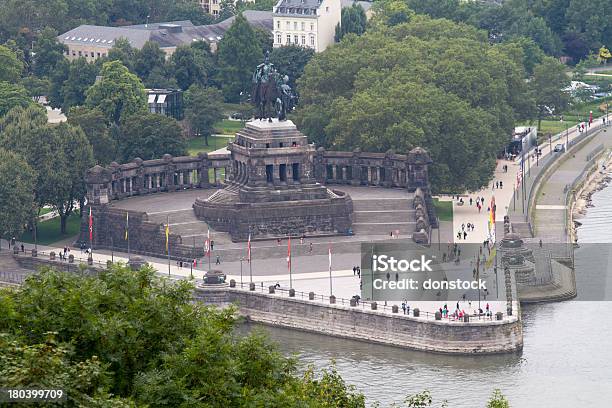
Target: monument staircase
380, 216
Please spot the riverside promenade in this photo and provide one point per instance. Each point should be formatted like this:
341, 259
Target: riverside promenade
552, 208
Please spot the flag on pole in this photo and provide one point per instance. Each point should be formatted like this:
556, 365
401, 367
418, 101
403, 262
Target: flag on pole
127, 224
167, 234
249, 249
207, 243
289, 254
90, 225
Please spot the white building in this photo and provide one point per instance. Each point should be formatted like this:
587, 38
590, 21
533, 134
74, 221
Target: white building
214, 6
308, 23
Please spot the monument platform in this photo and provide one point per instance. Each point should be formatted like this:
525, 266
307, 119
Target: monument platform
271, 190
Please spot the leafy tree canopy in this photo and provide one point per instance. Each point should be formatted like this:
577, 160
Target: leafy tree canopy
427, 82
353, 20
149, 136
10, 65
238, 53
16, 194
203, 109
142, 339
118, 93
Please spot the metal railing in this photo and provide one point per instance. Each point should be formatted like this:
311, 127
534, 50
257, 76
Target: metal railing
367, 305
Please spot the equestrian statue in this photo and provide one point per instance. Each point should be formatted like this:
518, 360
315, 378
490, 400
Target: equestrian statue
271, 94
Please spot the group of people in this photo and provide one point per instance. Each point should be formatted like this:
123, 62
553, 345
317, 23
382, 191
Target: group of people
13, 242
63, 255
459, 313
357, 271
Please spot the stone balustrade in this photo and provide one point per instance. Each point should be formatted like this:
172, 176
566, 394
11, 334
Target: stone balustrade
139, 177
373, 169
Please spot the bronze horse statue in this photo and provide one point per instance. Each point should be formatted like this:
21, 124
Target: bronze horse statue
271, 94
266, 96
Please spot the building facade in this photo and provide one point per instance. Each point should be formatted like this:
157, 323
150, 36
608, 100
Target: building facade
93, 42
167, 102
307, 23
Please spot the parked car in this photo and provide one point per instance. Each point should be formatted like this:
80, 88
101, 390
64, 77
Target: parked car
559, 148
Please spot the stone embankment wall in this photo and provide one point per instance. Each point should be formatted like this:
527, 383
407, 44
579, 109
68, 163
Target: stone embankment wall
370, 325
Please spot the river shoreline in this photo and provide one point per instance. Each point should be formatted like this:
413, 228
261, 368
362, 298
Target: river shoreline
597, 181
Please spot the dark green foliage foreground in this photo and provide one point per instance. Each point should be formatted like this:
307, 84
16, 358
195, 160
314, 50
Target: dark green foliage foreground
133, 339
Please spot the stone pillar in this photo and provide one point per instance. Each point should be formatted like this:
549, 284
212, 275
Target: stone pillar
334, 173
343, 172
203, 180
370, 175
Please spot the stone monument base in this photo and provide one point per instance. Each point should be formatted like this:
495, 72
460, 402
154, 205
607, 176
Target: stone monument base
268, 220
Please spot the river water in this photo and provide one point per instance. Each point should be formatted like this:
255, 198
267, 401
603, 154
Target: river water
566, 361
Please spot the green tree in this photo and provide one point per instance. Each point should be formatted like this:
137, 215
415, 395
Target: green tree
10, 65
36, 87
132, 334
150, 136
415, 84
549, 80
238, 53
16, 194
13, 95
290, 60
78, 157
48, 365
122, 51
353, 20
95, 126
498, 400
48, 51
203, 110
192, 64
118, 93
589, 18
148, 58
189, 10
81, 76
227, 10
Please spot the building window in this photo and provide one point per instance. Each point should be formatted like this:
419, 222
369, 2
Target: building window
215, 12
312, 42
303, 40
98, 55
303, 26
278, 25
80, 54
73, 53
288, 39
279, 38
327, 9
92, 54
296, 40
311, 27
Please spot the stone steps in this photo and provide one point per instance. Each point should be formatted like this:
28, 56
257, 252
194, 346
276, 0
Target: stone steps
384, 228
381, 204
176, 217
384, 216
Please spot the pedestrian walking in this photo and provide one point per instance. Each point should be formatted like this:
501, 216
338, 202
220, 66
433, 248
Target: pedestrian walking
218, 261
310, 248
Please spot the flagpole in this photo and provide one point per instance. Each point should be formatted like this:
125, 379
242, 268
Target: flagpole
331, 292
168, 240
90, 234
250, 259
290, 266
127, 232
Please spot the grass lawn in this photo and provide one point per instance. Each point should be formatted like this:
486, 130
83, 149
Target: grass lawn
444, 209
49, 231
196, 145
228, 127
